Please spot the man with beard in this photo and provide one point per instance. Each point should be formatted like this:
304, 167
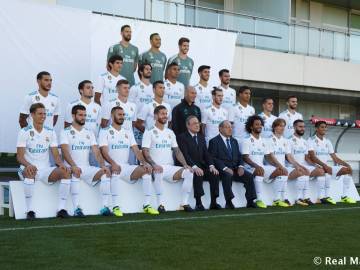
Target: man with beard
203, 89
128, 52
174, 90
93, 110
290, 115
34, 143
155, 58
300, 150
229, 93
76, 144
115, 143
158, 146
44, 96
267, 116
185, 63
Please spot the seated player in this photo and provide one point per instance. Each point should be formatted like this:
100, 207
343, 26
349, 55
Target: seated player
115, 143
320, 151
76, 144
158, 146
33, 146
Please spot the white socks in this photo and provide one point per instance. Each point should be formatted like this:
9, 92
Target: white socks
284, 187
75, 190
347, 179
279, 187
302, 186
320, 181
115, 190
258, 186
328, 178
186, 186
146, 184
158, 178
64, 190
105, 190
29, 192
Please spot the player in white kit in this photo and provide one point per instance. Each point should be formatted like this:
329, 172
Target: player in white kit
93, 110
299, 149
290, 115
158, 146
214, 115
34, 144
174, 90
239, 113
255, 152
76, 144
115, 143
122, 101
44, 96
229, 99
105, 89
320, 151
267, 116
203, 90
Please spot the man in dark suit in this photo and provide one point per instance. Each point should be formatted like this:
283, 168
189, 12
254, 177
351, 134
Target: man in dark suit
228, 160
193, 146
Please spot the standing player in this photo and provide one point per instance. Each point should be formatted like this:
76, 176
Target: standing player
76, 144
203, 89
115, 143
186, 64
290, 115
158, 146
145, 118
93, 110
229, 93
174, 90
44, 96
106, 87
214, 115
128, 52
239, 113
320, 151
267, 116
299, 150
255, 152
34, 144
122, 87
155, 58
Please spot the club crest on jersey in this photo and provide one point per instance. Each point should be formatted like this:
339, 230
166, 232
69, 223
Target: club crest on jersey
32, 133
47, 139
131, 109
52, 104
109, 77
117, 103
111, 132
274, 139
155, 132
288, 115
126, 136
263, 144
72, 132
200, 88
141, 87
154, 105
252, 140
169, 136
168, 84
213, 110
37, 98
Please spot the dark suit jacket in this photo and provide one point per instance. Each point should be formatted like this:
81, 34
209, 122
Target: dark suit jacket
219, 152
195, 154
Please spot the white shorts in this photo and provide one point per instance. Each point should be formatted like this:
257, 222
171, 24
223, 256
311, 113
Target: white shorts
88, 173
268, 170
310, 168
42, 174
169, 171
126, 171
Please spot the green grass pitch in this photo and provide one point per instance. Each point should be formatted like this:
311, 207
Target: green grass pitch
239, 239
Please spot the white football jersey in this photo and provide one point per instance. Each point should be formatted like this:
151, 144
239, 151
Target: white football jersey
299, 149
255, 148
106, 86
238, 115
174, 93
80, 143
160, 144
118, 142
290, 118
279, 147
322, 148
229, 99
212, 117
51, 103
141, 94
267, 128
93, 114
203, 96
147, 113
129, 110
37, 145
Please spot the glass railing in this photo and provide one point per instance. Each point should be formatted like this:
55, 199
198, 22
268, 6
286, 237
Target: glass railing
252, 31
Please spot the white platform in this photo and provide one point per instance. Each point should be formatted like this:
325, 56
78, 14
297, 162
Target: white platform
45, 197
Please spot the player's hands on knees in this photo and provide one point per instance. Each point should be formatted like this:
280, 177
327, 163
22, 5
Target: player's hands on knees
198, 171
147, 168
106, 171
259, 171
31, 171
187, 167
157, 168
240, 171
115, 168
327, 169
305, 170
229, 171
213, 170
283, 170
349, 169
76, 171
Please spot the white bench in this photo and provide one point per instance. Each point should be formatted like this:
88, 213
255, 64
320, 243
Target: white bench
4, 205
131, 198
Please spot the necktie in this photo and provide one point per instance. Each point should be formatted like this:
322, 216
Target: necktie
228, 146
195, 139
